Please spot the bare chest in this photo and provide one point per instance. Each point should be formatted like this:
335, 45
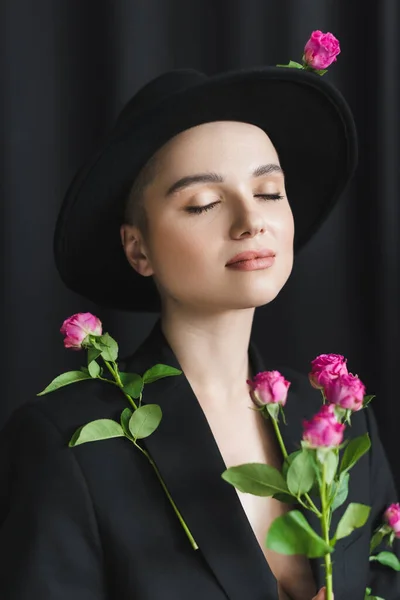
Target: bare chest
245, 436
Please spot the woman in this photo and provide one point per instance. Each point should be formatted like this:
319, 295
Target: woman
221, 193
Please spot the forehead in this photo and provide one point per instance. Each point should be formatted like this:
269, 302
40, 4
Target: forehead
218, 144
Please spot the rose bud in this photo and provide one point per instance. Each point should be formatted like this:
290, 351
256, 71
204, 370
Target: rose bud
326, 367
269, 387
77, 327
392, 517
346, 391
323, 430
321, 50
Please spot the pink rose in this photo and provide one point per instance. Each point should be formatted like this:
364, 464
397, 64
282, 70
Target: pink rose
326, 367
269, 387
392, 517
77, 327
321, 50
347, 391
323, 430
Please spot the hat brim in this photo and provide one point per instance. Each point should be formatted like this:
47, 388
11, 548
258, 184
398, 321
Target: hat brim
306, 118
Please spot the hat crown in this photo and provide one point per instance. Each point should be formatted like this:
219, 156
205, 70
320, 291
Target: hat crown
158, 89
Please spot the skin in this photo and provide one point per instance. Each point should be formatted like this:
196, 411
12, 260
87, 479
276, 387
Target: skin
207, 308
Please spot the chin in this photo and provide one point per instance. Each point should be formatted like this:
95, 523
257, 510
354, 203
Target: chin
255, 300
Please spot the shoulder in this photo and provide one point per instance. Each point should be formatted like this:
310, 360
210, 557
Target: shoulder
57, 415
35, 458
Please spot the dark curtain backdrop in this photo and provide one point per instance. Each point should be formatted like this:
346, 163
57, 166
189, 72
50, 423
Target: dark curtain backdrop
67, 68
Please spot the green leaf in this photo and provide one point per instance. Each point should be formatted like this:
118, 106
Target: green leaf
258, 479
347, 418
108, 347
321, 454
273, 410
331, 464
342, 487
354, 451
292, 64
101, 429
369, 597
94, 369
124, 420
145, 421
377, 538
355, 516
291, 534
301, 474
159, 371
287, 498
340, 412
288, 461
93, 354
388, 559
367, 400
133, 384
63, 380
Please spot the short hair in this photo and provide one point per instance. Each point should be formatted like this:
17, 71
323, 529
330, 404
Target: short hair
135, 211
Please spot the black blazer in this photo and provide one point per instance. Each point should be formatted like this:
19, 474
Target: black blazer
92, 522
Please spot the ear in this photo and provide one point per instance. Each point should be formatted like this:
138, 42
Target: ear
135, 249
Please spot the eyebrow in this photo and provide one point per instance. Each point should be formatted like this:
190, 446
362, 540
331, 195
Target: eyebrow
210, 177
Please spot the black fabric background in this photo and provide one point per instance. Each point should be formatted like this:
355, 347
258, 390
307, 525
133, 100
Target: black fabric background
67, 67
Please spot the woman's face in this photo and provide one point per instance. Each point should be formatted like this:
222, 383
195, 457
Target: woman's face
227, 205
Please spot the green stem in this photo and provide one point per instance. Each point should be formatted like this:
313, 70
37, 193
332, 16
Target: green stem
113, 373
280, 440
118, 382
313, 507
117, 377
178, 514
285, 455
325, 535
303, 504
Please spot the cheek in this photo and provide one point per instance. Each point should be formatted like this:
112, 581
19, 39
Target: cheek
176, 248
285, 229
285, 238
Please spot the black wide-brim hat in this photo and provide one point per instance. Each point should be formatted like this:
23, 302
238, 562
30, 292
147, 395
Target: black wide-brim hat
306, 118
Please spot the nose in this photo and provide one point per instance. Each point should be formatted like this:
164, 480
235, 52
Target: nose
248, 220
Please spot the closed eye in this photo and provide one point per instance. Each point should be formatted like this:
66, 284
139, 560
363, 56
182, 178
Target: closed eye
269, 196
201, 209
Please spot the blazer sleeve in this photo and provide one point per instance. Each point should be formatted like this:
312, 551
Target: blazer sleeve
384, 581
49, 541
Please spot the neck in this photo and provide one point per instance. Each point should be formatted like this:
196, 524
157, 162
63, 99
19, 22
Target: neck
213, 353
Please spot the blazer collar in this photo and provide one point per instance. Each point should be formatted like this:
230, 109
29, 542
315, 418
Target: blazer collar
189, 460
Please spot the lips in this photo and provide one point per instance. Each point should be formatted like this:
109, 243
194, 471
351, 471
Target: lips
251, 255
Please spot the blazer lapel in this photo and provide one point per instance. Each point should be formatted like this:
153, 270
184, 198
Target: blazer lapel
188, 458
